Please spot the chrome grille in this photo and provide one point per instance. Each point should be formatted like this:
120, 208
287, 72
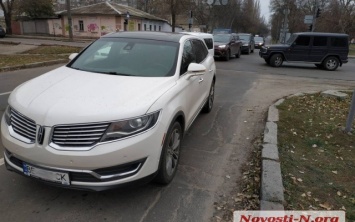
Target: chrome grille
78, 135
23, 125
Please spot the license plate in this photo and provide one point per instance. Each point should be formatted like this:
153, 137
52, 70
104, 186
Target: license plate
53, 176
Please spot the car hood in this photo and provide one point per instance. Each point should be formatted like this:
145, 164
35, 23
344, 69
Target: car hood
65, 96
220, 43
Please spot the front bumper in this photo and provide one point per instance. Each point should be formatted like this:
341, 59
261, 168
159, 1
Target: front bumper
220, 52
104, 166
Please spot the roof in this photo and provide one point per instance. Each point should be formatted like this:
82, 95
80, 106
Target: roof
161, 36
322, 34
107, 8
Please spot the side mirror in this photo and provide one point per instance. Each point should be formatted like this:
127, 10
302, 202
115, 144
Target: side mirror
195, 69
72, 56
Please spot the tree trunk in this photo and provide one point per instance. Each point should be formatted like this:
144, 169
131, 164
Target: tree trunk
173, 15
8, 15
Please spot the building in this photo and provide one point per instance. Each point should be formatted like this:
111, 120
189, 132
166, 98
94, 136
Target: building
105, 17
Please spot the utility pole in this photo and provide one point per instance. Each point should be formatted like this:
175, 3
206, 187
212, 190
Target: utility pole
69, 21
285, 25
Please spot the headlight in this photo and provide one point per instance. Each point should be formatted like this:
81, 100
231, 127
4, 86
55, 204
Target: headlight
125, 128
246, 44
222, 46
260, 43
7, 115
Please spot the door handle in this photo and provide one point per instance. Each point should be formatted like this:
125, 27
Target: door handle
211, 70
200, 80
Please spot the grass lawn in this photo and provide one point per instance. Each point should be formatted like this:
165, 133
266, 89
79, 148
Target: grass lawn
352, 49
52, 50
39, 54
15, 60
317, 158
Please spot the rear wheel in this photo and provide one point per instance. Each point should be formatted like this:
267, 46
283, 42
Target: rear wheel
239, 53
276, 60
170, 155
331, 63
209, 104
267, 61
228, 55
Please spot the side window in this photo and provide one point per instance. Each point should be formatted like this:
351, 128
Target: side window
338, 42
303, 40
320, 41
187, 57
200, 50
209, 43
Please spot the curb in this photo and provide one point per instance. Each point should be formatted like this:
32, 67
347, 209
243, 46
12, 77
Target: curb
271, 189
34, 65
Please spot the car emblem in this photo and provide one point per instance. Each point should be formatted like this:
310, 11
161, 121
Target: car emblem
40, 135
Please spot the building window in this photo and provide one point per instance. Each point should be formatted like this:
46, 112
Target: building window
159, 28
81, 25
139, 26
145, 27
150, 27
155, 28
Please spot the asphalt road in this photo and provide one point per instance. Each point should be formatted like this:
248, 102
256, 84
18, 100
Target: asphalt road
214, 150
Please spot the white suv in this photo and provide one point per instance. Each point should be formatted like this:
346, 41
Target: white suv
115, 114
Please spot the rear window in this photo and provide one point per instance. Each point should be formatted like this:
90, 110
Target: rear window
338, 42
209, 43
320, 41
303, 40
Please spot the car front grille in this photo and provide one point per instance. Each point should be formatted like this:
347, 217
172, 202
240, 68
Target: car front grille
78, 135
23, 125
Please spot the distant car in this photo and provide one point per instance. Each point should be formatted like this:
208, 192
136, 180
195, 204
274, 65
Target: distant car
324, 50
259, 42
116, 113
247, 41
227, 45
2, 32
207, 38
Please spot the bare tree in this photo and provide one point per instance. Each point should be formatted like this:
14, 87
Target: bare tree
7, 7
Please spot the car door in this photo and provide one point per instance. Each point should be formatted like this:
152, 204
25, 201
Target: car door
299, 50
202, 57
319, 48
191, 88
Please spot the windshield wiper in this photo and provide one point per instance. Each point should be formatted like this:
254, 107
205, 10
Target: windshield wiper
116, 73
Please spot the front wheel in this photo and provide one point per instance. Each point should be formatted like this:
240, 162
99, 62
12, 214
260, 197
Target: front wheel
170, 155
209, 104
276, 60
331, 63
228, 55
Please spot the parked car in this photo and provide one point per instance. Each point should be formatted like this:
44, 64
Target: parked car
325, 50
248, 44
227, 45
107, 120
2, 32
207, 38
259, 42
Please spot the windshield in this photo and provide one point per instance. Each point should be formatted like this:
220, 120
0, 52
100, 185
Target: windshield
244, 37
291, 39
129, 57
259, 39
221, 38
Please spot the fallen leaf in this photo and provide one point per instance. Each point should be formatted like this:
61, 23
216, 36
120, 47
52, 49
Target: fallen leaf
309, 193
325, 206
301, 172
316, 199
299, 180
228, 176
303, 195
339, 193
238, 199
335, 172
343, 208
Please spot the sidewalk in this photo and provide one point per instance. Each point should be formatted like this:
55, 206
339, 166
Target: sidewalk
44, 40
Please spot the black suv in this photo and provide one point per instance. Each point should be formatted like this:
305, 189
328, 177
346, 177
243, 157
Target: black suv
2, 32
247, 41
325, 50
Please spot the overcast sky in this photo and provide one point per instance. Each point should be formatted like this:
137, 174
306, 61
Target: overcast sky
264, 6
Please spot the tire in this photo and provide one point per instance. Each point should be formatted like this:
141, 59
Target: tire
331, 63
238, 54
248, 52
228, 55
267, 61
209, 104
170, 155
276, 60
